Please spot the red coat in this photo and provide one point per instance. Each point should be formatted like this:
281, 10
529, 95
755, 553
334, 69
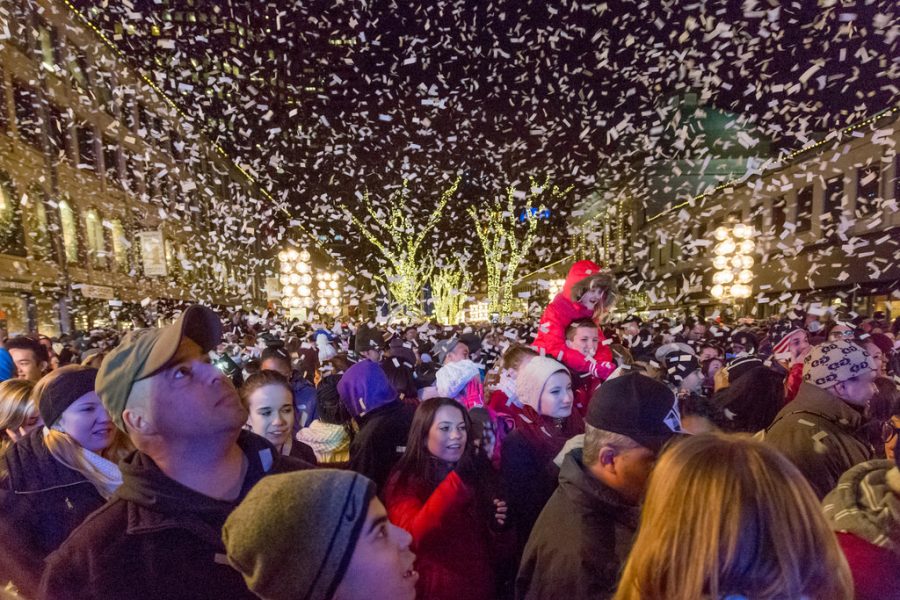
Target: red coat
561, 311
452, 544
876, 570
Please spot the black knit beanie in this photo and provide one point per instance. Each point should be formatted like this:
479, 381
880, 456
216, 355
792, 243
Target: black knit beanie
63, 391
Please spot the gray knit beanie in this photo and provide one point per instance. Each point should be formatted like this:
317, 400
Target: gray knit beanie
294, 534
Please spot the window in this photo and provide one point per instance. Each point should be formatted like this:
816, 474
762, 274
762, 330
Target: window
778, 216
95, 245
77, 67
69, 223
119, 245
11, 239
87, 157
47, 44
832, 204
58, 128
804, 209
867, 185
36, 223
4, 116
111, 160
27, 122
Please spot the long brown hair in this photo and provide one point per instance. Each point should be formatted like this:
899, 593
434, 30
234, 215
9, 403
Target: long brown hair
417, 465
727, 515
16, 407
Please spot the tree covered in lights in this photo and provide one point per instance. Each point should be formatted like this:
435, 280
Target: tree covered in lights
505, 240
449, 287
409, 266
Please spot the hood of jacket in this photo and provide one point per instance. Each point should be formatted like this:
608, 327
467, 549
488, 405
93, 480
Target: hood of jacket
324, 438
578, 271
590, 495
144, 483
452, 378
31, 468
866, 503
364, 388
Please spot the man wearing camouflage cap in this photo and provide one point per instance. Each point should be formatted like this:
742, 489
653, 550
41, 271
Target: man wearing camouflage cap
160, 535
819, 430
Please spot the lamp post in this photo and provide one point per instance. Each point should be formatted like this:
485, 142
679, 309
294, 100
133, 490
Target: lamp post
734, 248
295, 277
328, 293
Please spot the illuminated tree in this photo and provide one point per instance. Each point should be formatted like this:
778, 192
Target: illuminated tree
449, 287
409, 267
506, 241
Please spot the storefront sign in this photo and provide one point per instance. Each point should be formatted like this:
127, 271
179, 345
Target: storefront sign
15, 285
153, 253
99, 292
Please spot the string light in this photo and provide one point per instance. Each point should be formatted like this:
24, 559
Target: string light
504, 252
408, 269
449, 288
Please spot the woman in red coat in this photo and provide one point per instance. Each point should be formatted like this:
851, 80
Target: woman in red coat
587, 292
441, 493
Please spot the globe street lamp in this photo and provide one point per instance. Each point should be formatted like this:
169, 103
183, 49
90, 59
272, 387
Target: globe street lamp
733, 261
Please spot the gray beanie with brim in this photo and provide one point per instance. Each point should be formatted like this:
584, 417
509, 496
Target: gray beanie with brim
294, 534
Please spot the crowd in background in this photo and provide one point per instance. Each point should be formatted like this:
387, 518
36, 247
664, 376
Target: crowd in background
589, 454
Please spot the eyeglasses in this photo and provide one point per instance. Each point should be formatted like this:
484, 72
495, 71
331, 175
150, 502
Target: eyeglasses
888, 431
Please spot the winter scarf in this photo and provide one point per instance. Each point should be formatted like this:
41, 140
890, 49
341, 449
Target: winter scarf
329, 441
461, 381
110, 471
866, 503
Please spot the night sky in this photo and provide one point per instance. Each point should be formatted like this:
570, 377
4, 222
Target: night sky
501, 91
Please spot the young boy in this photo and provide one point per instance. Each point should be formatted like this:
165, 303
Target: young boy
583, 335
321, 535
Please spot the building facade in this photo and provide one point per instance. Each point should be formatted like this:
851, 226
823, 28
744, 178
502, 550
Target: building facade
110, 202
826, 223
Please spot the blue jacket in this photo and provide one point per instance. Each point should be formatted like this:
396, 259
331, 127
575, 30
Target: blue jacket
7, 366
304, 401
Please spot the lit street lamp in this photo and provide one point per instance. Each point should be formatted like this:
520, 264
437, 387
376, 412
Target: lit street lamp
733, 261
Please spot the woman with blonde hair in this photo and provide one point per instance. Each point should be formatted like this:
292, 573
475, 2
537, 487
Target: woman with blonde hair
18, 416
727, 517
59, 474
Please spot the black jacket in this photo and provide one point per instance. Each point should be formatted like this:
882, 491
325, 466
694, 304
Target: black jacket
381, 441
43, 501
157, 538
529, 478
580, 541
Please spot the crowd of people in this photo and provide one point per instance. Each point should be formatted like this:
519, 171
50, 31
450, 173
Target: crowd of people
589, 454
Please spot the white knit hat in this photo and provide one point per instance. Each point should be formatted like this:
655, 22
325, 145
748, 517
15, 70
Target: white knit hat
533, 377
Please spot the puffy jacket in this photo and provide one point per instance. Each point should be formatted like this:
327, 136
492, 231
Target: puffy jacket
451, 543
581, 540
821, 435
43, 501
157, 538
562, 310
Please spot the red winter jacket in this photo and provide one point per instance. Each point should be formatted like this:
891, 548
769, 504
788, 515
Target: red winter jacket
561, 311
451, 543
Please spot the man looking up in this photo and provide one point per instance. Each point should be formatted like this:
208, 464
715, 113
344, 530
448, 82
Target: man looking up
160, 535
